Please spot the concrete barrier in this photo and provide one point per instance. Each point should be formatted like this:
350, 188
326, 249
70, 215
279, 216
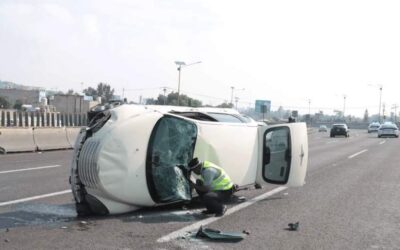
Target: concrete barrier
16, 140
50, 138
72, 134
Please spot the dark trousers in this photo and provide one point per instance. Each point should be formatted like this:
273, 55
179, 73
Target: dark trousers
214, 200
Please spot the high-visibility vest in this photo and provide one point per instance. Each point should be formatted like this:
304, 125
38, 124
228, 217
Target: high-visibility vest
222, 181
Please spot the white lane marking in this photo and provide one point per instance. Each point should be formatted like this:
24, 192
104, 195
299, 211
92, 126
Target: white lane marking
354, 155
195, 226
28, 169
34, 198
382, 142
329, 142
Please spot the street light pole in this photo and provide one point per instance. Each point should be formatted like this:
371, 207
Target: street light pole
233, 89
232, 95
236, 100
395, 106
165, 97
380, 101
344, 105
180, 65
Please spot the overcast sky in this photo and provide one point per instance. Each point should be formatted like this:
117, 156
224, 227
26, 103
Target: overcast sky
288, 52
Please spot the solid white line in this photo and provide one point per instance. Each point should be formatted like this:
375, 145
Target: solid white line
34, 198
207, 221
27, 169
354, 155
382, 142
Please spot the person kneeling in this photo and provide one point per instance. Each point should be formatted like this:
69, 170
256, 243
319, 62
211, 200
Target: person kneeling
213, 185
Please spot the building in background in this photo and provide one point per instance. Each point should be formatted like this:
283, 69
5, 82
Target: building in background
23, 96
65, 103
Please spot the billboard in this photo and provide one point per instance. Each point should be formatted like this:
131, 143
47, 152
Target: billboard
263, 106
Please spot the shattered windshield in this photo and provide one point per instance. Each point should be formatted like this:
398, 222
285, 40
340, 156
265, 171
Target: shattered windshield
170, 149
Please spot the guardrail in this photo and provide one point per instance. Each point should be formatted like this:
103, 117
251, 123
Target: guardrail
15, 119
36, 131
37, 139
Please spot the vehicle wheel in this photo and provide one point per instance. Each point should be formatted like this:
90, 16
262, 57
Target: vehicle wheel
82, 209
332, 136
379, 136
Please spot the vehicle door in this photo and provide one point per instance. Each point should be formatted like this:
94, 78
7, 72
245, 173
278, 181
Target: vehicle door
283, 154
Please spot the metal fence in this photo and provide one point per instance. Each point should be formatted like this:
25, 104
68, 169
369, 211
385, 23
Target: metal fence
12, 118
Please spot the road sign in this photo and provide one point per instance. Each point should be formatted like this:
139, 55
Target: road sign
263, 106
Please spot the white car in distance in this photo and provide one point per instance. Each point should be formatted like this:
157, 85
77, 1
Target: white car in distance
134, 156
388, 129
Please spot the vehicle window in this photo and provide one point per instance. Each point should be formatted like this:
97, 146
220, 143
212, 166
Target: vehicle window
225, 117
171, 145
195, 116
276, 155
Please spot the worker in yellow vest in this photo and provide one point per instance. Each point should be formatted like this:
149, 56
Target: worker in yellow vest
213, 185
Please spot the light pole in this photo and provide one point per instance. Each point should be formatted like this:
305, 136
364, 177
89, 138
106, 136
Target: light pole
180, 65
380, 101
165, 96
236, 101
233, 89
395, 106
344, 105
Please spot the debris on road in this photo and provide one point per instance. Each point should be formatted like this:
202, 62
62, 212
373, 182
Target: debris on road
218, 235
293, 226
83, 223
246, 232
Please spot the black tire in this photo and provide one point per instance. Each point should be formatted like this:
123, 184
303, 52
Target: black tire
82, 209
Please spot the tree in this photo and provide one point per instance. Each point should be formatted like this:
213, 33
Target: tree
103, 90
18, 104
4, 104
225, 105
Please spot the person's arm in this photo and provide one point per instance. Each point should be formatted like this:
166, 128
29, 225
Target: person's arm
201, 188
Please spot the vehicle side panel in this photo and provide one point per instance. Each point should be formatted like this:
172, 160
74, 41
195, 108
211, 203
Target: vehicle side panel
234, 147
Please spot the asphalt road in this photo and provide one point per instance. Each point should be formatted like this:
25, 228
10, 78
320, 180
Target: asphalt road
351, 201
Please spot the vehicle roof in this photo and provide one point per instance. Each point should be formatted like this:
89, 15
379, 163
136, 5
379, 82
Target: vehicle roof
388, 125
339, 124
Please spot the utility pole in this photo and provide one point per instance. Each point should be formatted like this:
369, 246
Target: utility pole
232, 91
395, 106
344, 104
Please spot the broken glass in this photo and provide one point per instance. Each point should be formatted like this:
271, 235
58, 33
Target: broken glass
171, 149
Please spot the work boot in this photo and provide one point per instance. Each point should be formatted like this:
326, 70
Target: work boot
222, 212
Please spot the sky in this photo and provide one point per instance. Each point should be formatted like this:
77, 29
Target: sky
301, 55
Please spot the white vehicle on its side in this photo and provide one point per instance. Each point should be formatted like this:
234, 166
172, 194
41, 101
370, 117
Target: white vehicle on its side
133, 156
